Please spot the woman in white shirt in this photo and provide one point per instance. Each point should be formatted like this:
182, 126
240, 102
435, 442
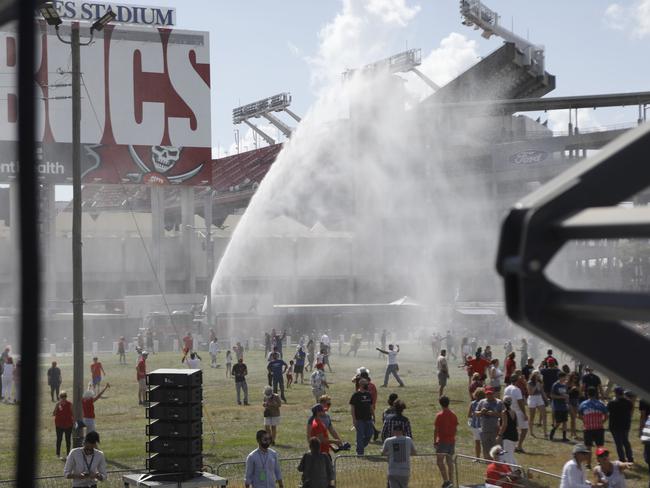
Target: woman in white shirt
495, 374
194, 361
7, 379
536, 401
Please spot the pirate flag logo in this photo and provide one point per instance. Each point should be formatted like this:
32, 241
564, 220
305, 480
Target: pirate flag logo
163, 159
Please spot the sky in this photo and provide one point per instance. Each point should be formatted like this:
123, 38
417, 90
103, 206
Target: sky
259, 48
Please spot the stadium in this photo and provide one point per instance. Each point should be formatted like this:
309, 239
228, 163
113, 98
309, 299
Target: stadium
380, 233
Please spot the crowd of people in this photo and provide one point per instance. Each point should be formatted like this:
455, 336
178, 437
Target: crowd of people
506, 405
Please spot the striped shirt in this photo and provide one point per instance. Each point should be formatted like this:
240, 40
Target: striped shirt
645, 433
391, 421
594, 413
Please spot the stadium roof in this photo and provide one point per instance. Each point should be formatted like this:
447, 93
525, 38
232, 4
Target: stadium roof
241, 171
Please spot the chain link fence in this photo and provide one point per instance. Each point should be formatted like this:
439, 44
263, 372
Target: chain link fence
235, 472
371, 471
114, 480
541, 479
352, 471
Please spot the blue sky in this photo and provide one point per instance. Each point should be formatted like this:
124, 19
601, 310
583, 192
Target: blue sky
253, 44
260, 47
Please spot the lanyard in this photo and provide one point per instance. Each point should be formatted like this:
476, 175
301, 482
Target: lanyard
88, 464
264, 458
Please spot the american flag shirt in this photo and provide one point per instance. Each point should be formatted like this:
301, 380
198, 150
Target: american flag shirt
594, 413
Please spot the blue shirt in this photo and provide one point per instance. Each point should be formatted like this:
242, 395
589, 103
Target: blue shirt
559, 404
276, 367
262, 469
474, 420
300, 358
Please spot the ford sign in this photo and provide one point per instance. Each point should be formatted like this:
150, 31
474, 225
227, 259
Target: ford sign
528, 157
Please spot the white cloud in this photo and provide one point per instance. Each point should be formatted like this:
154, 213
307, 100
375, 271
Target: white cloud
558, 120
358, 35
634, 18
614, 16
392, 11
454, 55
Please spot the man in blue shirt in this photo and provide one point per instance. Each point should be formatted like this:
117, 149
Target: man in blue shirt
277, 367
299, 367
262, 465
560, 404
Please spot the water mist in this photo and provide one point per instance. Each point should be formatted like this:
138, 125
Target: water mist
369, 201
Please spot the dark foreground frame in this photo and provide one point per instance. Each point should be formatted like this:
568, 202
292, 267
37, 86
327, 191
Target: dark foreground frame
581, 204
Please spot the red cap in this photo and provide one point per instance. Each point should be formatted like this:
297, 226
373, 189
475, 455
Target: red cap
489, 389
319, 365
601, 451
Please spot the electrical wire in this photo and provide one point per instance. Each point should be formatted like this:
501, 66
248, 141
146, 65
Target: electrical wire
213, 432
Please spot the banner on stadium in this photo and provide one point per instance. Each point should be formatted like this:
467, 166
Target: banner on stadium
126, 14
145, 107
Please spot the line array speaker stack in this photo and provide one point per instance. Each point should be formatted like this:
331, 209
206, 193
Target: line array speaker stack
175, 446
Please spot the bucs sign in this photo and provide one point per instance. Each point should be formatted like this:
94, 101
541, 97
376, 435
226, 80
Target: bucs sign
145, 106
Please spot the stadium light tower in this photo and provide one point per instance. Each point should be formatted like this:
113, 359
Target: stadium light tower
51, 16
476, 14
398, 63
264, 108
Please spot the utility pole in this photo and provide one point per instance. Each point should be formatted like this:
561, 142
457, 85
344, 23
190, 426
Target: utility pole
51, 16
77, 275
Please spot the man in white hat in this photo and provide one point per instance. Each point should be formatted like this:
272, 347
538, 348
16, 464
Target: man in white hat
573, 476
141, 376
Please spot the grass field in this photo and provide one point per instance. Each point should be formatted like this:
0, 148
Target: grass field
229, 429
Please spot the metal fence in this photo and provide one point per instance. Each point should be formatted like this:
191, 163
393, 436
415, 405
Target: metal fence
541, 479
114, 480
351, 471
371, 471
235, 472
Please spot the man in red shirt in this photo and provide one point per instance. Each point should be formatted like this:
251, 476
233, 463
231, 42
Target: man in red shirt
96, 372
88, 408
188, 345
498, 473
444, 440
478, 365
319, 429
63, 421
141, 376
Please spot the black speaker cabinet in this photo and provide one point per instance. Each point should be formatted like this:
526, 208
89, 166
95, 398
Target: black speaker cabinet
169, 445
180, 413
175, 424
174, 394
175, 463
175, 377
174, 429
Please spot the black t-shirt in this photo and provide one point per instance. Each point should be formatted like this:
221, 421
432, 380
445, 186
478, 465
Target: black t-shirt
527, 370
644, 407
620, 414
590, 380
549, 375
239, 371
362, 403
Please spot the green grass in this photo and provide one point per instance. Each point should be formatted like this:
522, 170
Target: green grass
229, 429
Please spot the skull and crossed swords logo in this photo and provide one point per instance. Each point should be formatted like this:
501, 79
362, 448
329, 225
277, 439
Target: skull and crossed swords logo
163, 159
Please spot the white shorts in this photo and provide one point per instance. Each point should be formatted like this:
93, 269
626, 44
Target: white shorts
535, 401
521, 423
476, 433
271, 420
